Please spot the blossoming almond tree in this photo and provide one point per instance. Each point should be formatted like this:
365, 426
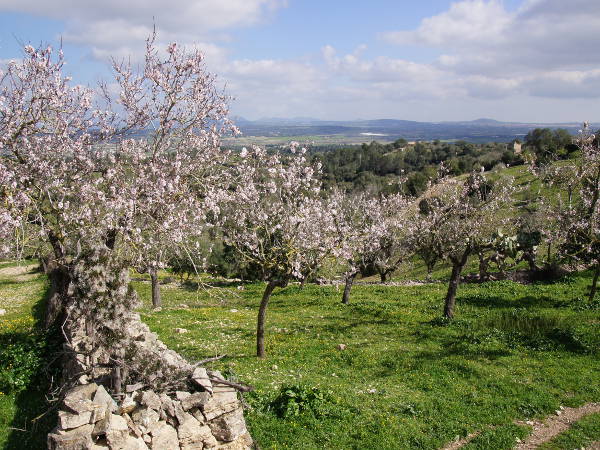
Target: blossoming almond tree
276, 219
107, 184
373, 232
575, 210
456, 216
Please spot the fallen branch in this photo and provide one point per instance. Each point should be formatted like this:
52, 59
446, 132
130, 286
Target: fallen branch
207, 360
239, 387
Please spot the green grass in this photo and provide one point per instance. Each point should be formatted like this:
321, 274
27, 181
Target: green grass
23, 352
581, 434
498, 438
406, 379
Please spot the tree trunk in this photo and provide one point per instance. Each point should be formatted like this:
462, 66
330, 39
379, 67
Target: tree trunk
348, 287
303, 282
383, 276
156, 302
262, 315
429, 270
457, 267
430, 263
483, 268
57, 294
594, 283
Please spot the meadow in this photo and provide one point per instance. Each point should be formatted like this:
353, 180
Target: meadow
405, 379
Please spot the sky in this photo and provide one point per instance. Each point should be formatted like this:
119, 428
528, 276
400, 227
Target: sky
435, 60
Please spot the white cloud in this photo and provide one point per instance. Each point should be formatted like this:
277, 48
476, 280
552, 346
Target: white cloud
464, 24
545, 48
184, 15
119, 28
493, 61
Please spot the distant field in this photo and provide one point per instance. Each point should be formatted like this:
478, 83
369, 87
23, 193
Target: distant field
309, 140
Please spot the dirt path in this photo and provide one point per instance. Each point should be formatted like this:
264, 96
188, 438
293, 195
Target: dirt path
556, 424
544, 431
455, 445
18, 273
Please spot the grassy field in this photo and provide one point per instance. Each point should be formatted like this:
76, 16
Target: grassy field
24, 356
406, 379
307, 140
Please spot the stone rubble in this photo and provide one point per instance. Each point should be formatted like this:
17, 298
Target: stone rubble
144, 420
148, 415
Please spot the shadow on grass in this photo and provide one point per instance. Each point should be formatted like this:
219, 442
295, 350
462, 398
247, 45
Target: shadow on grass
193, 286
484, 301
32, 422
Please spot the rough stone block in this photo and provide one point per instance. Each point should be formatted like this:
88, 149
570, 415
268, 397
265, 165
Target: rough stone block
98, 413
78, 406
181, 395
195, 400
151, 400
229, 427
117, 431
222, 402
244, 442
145, 418
200, 377
167, 405
77, 439
194, 435
179, 412
69, 420
164, 437
79, 399
197, 413
102, 397
132, 426
127, 405
132, 443
83, 392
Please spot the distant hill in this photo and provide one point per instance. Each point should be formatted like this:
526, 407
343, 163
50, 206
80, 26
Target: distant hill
479, 130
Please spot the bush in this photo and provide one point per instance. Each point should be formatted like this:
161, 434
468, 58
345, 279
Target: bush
21, 359
296, 400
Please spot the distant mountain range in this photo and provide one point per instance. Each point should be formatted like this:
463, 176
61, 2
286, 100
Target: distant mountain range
479, 130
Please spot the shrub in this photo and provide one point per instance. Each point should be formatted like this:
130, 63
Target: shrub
296, 400
21, 359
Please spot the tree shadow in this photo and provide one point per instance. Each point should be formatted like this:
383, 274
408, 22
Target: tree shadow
33, 416
497, 302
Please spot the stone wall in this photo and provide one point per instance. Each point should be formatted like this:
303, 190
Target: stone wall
130, 391
210, 417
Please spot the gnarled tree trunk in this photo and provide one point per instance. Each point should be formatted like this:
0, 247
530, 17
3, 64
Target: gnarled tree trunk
57, 294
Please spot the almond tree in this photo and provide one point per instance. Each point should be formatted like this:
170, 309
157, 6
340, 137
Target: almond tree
575, 210
373, 232
457, 216
104, 180
276, 219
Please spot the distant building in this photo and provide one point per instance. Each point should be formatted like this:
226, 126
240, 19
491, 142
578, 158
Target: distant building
517, 146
